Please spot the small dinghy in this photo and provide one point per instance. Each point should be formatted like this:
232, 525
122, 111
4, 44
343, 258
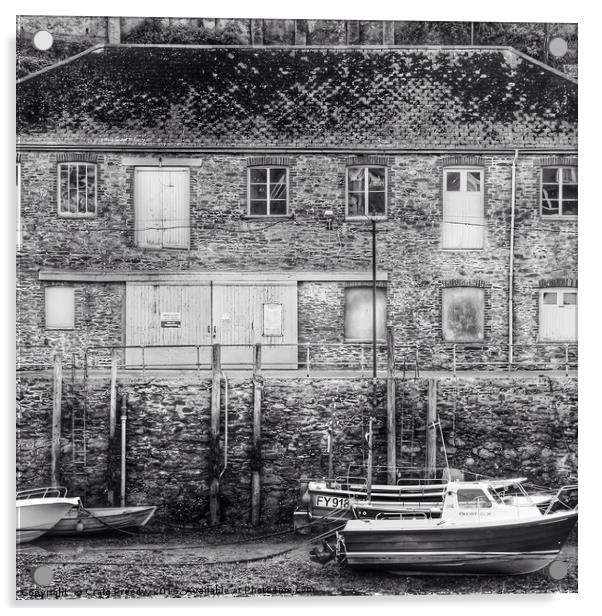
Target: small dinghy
80, 520
39, 509
483, 529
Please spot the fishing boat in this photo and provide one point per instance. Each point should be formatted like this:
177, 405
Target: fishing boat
485, 527
39, 509
80, 520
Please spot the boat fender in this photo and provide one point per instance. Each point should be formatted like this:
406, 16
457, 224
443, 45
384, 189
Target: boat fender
79, 527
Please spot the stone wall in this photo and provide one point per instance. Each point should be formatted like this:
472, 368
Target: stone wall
409, 245
497, 425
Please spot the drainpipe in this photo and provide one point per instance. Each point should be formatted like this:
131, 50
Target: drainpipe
511, 267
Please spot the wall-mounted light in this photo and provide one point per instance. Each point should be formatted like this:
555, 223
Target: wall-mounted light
328, 217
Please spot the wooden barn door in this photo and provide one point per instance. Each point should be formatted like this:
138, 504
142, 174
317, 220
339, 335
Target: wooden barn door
168, 316
245, 314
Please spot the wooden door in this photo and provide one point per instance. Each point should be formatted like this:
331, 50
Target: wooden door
162, 207
463, 216
168, 316
245, 314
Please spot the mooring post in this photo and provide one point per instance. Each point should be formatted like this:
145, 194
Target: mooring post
431, 428
112, 414
391, 461
331, 446
255, 477
215, 417
124, 402
57, 397
369, 473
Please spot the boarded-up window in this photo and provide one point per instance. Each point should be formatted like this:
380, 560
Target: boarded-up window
60, 308
272, 319
358, 313
162, 209
558, 314
463, 314
463, 216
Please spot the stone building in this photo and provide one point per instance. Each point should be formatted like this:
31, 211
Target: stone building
198, 195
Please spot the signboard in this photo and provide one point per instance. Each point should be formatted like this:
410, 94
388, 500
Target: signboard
171, 319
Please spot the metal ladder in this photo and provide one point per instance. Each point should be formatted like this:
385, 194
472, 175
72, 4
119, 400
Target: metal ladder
78, 427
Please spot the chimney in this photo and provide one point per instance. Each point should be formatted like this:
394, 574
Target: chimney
114, 29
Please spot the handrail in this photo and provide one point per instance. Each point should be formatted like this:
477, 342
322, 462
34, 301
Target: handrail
46, 492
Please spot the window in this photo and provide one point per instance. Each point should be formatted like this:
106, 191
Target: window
472, 499
558, 314
77, 189
272, 319
358, 314
162, 207
18, 173
268, 191
366, 191
463, 318
60, 308
559, 191
463, 223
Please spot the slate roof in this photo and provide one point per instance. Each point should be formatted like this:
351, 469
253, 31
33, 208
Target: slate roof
171, 96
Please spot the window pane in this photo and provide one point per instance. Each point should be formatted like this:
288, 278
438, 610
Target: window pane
60, 308
473, 181
258, 191
355, 178
569, 174
358, 313
472, 499
64, 189
278, 191
453, 180
463, 314
550, 191
277, 208
376, 178
259, 176
277, 176
569, 208
569, 191
356, 204
550, 174
377, 203
550, 298
259, 208
549, 208
569, 299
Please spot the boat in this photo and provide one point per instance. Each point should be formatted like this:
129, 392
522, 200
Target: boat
39, 509
80, 520
485, 527
330, 500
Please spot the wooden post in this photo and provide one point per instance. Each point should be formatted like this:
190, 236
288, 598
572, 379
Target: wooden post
391, 461
215, 417
388, 33
112, 413
124, 401
57, 396
257, 396
369, 478
300, 32
331, 447
431, 432
256, 32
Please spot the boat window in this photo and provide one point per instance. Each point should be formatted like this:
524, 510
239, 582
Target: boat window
472, 499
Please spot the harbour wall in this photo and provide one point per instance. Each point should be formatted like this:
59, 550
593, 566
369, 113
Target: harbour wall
491, 424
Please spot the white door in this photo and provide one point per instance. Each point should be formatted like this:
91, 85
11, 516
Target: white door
463, 223
162, 207
558, 315
171, 322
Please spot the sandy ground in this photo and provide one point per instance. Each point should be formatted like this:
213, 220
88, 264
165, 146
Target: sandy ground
229, 563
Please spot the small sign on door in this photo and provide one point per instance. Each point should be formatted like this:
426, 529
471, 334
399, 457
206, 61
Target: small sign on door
171, 319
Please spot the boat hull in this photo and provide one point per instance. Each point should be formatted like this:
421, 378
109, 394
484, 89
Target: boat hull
37, 516
498, 548
102, 520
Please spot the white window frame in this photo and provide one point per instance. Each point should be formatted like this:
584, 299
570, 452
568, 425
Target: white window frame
366, 214
68, 164
18, 174
268, 213
560, 215
560, 291
480, 221
48, 292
